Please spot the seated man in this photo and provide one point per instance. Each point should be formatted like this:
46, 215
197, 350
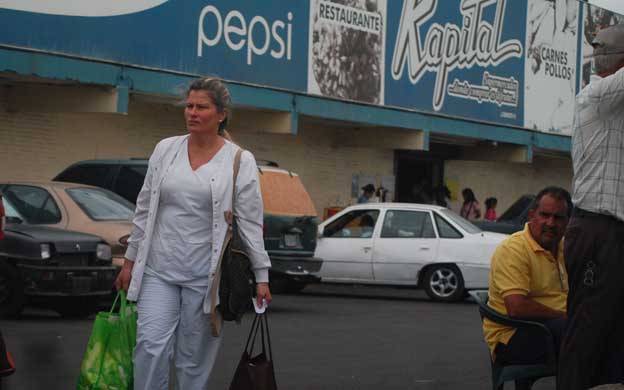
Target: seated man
528, 281
367, 225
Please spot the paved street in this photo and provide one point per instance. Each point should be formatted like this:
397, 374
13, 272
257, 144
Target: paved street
329, 337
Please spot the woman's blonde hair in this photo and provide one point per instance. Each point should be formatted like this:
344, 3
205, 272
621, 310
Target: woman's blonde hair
220, 97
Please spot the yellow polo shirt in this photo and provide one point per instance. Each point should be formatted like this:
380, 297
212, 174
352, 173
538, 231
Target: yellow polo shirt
521, 266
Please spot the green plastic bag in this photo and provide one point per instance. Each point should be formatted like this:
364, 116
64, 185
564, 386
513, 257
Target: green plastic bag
108, 360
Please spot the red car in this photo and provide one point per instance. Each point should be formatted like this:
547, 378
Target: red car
7, 367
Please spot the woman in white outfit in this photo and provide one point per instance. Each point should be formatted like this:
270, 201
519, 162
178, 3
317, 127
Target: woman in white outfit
179, 229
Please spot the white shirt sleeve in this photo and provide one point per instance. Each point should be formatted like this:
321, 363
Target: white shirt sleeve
248, 210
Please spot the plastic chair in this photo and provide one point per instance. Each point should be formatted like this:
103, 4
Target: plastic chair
523, 375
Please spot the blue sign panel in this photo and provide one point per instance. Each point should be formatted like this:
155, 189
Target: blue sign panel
249, 41
496, 61
461, 58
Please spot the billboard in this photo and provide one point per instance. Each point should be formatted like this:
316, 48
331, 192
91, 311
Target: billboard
550, 65
512, 63
346, 50
458, 58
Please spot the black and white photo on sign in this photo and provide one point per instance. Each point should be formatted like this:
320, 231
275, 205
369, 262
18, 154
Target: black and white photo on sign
595, 19
346, 50
550, 66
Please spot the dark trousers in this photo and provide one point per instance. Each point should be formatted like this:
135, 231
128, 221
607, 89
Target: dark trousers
530, 345
592, 350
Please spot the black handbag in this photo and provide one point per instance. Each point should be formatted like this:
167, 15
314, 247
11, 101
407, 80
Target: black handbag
256, 372
7, 367
234, 280
236, 287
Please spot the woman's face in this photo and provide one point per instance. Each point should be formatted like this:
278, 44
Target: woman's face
201, 114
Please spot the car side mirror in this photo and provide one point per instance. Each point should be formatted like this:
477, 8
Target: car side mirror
12, 219
320, 233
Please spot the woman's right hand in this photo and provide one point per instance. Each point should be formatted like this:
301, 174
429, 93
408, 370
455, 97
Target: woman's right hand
125, 275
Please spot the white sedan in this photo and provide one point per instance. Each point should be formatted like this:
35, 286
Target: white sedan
406, 244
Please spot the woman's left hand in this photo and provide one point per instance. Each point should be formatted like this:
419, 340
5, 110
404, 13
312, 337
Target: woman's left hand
263, 292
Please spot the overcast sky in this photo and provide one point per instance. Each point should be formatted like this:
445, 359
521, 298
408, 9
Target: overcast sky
613, 5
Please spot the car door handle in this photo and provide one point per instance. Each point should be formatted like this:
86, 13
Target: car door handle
367, 248
424, 248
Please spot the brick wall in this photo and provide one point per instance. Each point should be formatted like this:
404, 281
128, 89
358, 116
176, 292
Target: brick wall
35, 145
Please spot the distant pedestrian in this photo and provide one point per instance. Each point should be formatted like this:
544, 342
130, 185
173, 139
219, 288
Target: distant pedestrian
381, 194
421, 193
367, 193
490, 209
592, 351
470, 209
441, 195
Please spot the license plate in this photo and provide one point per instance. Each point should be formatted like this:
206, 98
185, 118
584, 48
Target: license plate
81, 284
291, 240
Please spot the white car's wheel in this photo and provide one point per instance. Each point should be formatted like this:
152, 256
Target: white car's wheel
444, 282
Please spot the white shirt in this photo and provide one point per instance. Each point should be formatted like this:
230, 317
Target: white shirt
598, 146
247, 209
181, 247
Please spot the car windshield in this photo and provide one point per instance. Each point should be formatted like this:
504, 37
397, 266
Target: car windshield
515, 210
32, 204
10, 211
102, 205
466, 225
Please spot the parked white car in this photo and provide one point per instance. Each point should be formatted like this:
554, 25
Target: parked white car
406, 244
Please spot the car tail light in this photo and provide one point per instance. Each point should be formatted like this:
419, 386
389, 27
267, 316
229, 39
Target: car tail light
124, 240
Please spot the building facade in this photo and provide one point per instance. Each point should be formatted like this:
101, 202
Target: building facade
465, 93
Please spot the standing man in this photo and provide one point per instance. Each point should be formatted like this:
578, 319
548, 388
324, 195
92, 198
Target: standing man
592, 350
367, 193
528, 280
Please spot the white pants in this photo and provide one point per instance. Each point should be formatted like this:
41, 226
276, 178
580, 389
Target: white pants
172, 326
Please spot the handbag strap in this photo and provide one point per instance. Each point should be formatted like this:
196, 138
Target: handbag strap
252, 334
229, 214
260, 323
266, 321
229, 218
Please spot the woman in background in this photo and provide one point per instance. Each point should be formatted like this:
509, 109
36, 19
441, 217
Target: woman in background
490, 209
471, 209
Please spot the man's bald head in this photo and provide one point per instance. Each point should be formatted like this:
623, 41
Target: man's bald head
609, 50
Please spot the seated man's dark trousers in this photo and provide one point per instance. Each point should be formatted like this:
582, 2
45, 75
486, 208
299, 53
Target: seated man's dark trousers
592, 350
530, 345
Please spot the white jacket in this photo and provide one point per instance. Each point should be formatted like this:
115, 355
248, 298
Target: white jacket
248, 211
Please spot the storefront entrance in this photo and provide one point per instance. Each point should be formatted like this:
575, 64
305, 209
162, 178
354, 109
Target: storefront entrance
420, 174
